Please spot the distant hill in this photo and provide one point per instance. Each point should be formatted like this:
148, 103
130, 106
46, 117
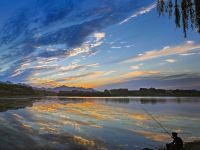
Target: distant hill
11, 89
68, 89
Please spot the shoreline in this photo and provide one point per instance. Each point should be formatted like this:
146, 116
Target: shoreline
136, 96
195, 145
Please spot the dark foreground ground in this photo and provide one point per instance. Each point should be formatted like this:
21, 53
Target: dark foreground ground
192, 146
189, 146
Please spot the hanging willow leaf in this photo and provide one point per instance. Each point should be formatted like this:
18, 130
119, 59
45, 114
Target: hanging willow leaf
185, 12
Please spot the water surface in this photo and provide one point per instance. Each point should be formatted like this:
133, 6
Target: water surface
96, 123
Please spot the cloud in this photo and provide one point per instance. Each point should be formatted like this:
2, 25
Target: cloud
136, 67
116, 47
163, 80
62, 50
88, 46
50, 61
166, 51
73, 67
139, 74
86, 75
82, 79
42, 82
89, 79
103, 81
99, 36
188, 54
120, 78
120, 45
40, 64
170, 60
57, 29
190, 42
60, 72
22, 67
128, 46
138, 13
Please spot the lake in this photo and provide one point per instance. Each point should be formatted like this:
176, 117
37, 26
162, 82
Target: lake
96, 123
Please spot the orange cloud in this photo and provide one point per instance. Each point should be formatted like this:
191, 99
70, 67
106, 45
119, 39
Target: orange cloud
166, 51
43, 82
92, 79
101, 81
139, 73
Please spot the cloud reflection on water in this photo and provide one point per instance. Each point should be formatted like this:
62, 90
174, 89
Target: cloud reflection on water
95, 123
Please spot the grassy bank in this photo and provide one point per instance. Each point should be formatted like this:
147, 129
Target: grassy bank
190, 146
7, 104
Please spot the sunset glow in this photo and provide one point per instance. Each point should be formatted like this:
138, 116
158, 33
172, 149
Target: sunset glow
108, 46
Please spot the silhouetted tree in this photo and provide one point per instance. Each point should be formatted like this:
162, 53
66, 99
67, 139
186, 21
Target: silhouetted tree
177, 15
10, 89
197, 14
185, 11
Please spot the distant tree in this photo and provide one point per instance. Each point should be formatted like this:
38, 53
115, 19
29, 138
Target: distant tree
107, 92
187, 11
10, 89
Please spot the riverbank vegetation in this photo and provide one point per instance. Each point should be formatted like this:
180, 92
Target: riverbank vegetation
126, 92
11, 90
11, 104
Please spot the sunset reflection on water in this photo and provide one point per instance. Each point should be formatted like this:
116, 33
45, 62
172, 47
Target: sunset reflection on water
101, 123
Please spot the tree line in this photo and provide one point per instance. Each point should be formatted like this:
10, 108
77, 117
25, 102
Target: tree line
9, 89
126, 92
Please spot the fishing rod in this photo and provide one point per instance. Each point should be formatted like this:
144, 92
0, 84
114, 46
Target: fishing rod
153, 118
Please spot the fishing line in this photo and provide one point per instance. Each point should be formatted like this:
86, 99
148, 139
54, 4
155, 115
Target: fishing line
158, 122
153, 118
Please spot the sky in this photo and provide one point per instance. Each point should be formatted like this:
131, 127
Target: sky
95, 44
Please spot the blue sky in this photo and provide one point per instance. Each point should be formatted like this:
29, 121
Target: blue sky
95, 43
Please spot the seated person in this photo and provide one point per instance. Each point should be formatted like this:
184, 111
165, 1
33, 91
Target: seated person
177, 143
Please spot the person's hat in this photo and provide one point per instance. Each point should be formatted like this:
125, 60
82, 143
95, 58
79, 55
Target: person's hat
174, 134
